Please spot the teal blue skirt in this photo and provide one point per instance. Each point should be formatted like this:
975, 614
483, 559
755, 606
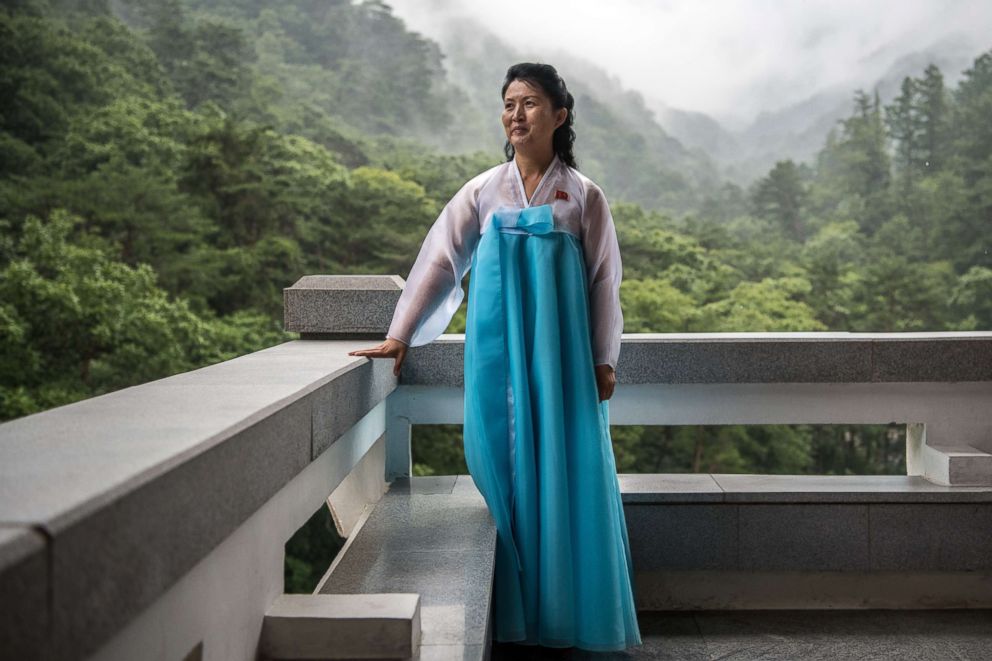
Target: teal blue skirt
537, 441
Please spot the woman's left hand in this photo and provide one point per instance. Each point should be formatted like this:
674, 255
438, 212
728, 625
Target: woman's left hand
606, 381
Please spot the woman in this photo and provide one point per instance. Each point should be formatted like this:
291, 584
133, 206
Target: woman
541, 346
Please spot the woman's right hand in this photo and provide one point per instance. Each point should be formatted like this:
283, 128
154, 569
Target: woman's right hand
389, 349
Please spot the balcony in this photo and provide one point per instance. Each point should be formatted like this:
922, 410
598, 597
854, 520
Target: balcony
150, 523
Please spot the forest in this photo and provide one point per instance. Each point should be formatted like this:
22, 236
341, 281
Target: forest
168, 167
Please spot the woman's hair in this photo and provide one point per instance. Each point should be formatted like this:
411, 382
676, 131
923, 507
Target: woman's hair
546, 78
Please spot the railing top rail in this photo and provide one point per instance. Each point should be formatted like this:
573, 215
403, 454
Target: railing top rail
760, 357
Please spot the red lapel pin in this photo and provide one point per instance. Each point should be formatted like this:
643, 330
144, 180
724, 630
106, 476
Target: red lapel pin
561, 195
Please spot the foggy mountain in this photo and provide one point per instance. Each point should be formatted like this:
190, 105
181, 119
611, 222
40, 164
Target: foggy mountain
745, 108
619, 142
798, 131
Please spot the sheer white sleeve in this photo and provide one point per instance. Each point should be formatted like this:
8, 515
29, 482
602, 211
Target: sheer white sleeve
604, 272
433, 290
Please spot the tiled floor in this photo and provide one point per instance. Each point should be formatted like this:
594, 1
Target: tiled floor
824, 635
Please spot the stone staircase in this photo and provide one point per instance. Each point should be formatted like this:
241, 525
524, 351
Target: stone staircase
427, 536
415, 578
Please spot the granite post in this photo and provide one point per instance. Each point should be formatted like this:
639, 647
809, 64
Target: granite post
341, 307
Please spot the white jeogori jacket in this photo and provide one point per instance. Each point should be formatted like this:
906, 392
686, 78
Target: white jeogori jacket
433, 289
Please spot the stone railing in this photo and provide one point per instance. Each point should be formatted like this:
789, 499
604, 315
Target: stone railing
155, 518
150, 523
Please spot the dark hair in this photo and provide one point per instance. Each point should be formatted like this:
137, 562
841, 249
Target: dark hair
546, 77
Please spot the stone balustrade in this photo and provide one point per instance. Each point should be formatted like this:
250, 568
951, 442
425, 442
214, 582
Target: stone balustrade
154, 518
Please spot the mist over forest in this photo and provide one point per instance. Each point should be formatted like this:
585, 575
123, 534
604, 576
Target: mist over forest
168, 167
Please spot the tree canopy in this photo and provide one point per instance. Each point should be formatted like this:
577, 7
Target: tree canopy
167, 168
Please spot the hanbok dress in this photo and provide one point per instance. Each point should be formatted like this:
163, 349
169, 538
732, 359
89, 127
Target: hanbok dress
543, 309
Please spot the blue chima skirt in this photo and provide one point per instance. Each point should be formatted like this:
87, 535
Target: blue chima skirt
537, 441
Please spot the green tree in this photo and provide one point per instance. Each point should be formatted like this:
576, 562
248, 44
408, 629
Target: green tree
781, 198
771, 449
918, 124
899, 293
905, 126
770, 305
75, 323
388, 218
655, 306
206, 60
853, 170
971, 299
119, 164
971, 108
933, 104
973, 161
832, 260
727, 202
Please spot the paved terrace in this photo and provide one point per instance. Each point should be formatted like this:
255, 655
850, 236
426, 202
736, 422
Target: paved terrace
777, 635
150, 523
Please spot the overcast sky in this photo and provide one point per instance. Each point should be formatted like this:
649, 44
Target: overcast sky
730, 59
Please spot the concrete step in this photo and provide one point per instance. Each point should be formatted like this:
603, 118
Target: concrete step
957, 465
946, 462
730, 542
434, 537
341, 626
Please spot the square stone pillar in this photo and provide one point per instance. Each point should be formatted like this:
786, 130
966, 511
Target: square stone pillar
339, 307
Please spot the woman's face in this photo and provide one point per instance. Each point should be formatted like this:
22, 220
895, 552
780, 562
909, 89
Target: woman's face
529, 119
